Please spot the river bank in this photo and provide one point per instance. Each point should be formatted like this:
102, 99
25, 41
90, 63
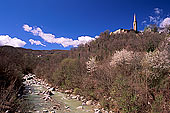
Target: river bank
44, 98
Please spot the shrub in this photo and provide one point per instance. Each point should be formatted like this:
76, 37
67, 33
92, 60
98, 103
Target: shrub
77, 91
68, 73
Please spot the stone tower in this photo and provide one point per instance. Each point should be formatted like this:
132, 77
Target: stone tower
134, 23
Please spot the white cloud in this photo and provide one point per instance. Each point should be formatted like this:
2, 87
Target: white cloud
97, 37
155, 18
151, 18
85, 39
69, 42
50, 38
165, 22
157, 10
7, 40
27, 28
144, 22
36, 42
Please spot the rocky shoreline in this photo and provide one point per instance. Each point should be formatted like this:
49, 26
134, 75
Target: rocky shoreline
47, 95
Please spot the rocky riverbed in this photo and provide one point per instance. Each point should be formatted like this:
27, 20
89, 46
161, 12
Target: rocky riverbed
43, 98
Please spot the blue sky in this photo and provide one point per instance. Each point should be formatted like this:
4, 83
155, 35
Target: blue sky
48, 20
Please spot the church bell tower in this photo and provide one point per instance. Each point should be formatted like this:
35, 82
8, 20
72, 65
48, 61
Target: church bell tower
134, 23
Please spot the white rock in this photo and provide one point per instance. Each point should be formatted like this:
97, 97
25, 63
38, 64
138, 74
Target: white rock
89, 102
45, 111
97, 111
81, 98
79, 107
50, 93
68, 91
83, 104
7, 111
52, 89
48, 87
52, 112
84, 100
68, 97
67, 107
78, 97
74, 97
33, 75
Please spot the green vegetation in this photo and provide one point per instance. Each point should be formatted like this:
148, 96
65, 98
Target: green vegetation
12, 66
14, 62
125, 72
131, 71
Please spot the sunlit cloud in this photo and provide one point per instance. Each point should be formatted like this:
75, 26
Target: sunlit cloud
158, 10
154, 18
36, 42
165, 22
50, 38
27, 28
7, 40
144, 22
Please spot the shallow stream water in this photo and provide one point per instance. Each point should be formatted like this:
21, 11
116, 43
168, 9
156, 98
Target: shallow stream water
38, 105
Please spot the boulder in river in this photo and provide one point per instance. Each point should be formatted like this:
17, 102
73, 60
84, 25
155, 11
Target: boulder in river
74, 97
83, 104
52, 112
89, 102
49, 93
81, 98
29, 78
79, 107
84, 100
45, 111
52, 89
67, 107
7, 111
68, 91
97, 111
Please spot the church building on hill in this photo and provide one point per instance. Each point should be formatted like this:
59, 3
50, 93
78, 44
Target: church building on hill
127, 30
135, 23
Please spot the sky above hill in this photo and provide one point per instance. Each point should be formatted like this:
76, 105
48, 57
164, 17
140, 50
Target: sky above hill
63, 24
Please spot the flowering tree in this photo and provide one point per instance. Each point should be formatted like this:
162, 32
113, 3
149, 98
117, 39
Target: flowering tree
122, 57
91, 65
159, 59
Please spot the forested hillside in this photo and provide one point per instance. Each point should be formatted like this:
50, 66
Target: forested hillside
127, 72
14, 62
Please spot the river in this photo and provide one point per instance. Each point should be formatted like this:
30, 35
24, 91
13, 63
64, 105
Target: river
41, 101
